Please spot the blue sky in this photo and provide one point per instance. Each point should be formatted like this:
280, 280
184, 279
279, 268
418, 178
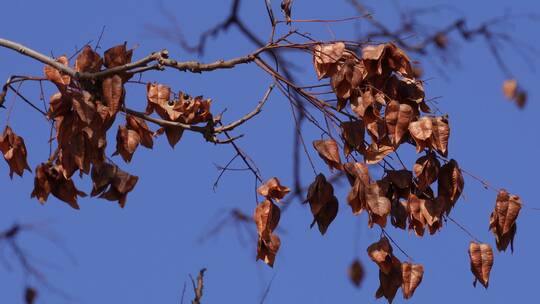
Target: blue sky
144, 253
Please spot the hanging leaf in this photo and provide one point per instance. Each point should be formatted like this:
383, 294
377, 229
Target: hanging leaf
417, 221
481, 256
14, 151
397, 117
376, 153
440, 135
286, 8
113, 93
381, 253
325, 57
117, 56
49, 179
353, 136
267, 249
266, 217
502, 222
139, 125
127, 142
272, 189
356, 273
412, 277
112, 183
30, 295
62, 81
88, 61
390, 282
450, 184
354, 170
426, 170
378, 206
329, 151
421, 131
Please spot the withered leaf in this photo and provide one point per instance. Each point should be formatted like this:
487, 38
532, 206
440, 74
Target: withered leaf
329, 151
421, 131
326, 215
267, 249
381, 253
357, 198
139, 125
127, 142
266, 218
385, 58
440, 135
355, 170
481, 256
412, 277
353, 136
426, 170
356, 273
117, 56
61, 80
322, 202
510, 88
14, 151
450, 184
88, 61
273, 189
325, 57
502, 222
113, 93
49, 179
378, 206
286, 8
397, 117
390, 282
112, 183
376, 153
417, 220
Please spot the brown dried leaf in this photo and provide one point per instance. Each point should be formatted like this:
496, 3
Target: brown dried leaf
353, 136
421, 131
286, 8
272, 189
320, 192
356, 273
391, 282
450, 184
113, 93
357, 196
503, 219
412, 277
426, 170
14, 150
355, 170
266, 218
326, 215
112, 183
325, 57
376, 153
139, 125
481, 256
510, 89
381, 253
49, 179
329, 151
268, 248
30, 295
397, 117
117, 56
55, 76
378, 206
440, 135
417, 221
127, 142
88, 61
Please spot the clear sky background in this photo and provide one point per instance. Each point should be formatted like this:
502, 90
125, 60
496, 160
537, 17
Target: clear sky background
144, 253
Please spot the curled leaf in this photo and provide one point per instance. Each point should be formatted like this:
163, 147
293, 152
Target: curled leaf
356, 273
272, 189
450, 184
381, 253
329, 151
14, 150
502, 222
412, 277
88, 61
481, 256
266, 218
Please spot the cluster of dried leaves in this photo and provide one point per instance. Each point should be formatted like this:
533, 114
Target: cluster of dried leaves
83, 110
267, 215
380, 88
